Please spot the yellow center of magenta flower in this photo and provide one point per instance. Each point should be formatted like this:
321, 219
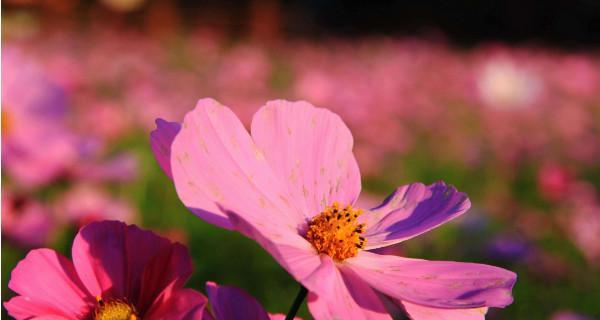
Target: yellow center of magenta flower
114, 310
336, 232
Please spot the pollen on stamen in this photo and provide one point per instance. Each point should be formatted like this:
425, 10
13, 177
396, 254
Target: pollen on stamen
114, 309
336, 232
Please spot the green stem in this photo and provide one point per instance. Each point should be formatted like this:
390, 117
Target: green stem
297, 303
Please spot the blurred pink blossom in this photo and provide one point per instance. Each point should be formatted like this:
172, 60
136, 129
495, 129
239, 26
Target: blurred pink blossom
26, 221
86, 203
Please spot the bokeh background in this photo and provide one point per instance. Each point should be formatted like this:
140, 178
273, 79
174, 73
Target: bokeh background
499, 98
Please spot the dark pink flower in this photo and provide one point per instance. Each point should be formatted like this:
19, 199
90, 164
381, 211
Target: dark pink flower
118, 272
291, 185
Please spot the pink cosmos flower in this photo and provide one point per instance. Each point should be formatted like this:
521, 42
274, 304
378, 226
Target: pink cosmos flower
290, 185
118, 272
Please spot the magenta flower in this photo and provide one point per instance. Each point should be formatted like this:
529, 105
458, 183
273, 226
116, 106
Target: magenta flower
291, 185
118, 272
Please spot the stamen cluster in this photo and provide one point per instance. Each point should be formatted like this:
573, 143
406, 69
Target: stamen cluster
336, 232
114, 310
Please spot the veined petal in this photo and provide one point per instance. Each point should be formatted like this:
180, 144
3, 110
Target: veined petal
412, 210
48, 286
171, 267
217, 167
310, 149
418, 312
230, 303
161, 140
350, 299
442, 284
293, 252
110, 257
182, 304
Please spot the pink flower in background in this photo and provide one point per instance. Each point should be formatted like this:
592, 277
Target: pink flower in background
119, 168
291, 186
25, 221
568, 315
118, 272
554, 181
86, 203
36, 147
230, 303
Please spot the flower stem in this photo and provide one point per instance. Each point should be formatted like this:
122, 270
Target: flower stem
297, 303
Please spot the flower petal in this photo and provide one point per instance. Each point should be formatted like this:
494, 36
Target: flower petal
293, 252
412, 210
161, 140
182, 304
48, 286
217, 167
418, 312
171, 267
230, 303
110, 256
350, 298
310, 149
442, 284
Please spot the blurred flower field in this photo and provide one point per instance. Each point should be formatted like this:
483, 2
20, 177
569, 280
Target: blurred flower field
515, 127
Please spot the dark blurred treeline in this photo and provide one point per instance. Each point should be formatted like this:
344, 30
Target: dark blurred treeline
563, 23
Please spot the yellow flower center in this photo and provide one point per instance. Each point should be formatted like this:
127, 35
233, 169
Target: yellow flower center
336, 232
114, 310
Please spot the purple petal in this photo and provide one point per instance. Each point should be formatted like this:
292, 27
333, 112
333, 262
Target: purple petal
230, 303
442, 284
310, 150
161, 140
412, 210
183, 304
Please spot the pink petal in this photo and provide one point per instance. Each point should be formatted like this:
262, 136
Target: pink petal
418, 312
216, 168
310, 149
296, 255
48, 286
161, 140
171, 268
230, 303
443, 284
182, 304
351, 298
110, 256
412, 210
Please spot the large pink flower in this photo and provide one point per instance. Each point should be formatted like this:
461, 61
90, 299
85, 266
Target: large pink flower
118, 272
290, 185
